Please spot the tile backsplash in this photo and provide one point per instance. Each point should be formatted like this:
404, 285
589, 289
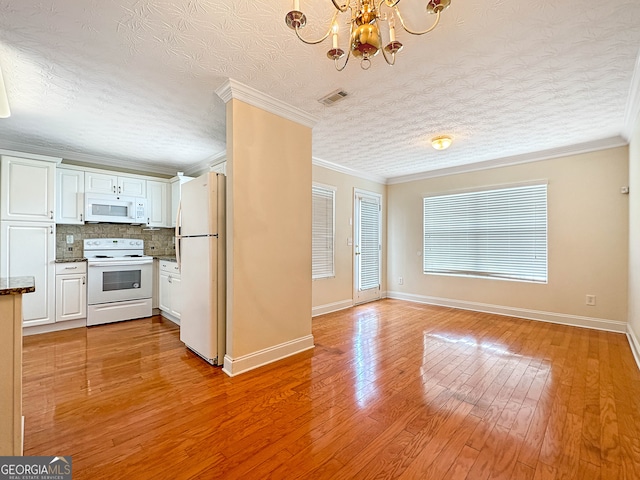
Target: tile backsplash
156, 242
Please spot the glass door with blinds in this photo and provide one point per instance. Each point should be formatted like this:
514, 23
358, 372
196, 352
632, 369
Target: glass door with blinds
367, 247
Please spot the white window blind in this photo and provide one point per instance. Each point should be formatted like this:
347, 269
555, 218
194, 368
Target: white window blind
369, 243
323, 232
495, 233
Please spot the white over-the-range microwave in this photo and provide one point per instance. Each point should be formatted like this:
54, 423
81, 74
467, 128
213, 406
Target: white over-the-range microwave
115, 209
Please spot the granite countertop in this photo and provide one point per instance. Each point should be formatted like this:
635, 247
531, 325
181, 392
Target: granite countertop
17, 285
166, 258
70, 260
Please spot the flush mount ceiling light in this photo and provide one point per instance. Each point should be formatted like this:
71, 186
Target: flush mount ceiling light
441, 142
5, 112
365, 39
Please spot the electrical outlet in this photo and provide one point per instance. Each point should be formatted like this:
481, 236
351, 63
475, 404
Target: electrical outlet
69, 239
591, 300
400, 281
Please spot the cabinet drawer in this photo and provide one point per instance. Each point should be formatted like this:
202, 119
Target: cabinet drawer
169, 267
73, 267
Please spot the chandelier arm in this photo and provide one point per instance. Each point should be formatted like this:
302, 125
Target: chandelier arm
413, 32
348, 52
345, 62
342, 8
312, 42
393, 57
326, 35
386, 4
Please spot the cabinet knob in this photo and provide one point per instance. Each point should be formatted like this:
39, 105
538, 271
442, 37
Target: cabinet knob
83, 279
51, 214
70, 268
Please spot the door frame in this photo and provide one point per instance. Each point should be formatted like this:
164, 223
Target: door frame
371, 294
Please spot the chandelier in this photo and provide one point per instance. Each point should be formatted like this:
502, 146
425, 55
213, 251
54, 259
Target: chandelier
365, 39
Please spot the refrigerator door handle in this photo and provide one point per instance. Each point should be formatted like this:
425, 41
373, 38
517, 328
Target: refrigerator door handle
178, 215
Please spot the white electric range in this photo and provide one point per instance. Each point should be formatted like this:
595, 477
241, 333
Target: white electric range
119, 280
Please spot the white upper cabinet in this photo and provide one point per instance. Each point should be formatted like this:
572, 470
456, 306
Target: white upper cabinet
100, 183
220, 168
176, 188
114, 184
70, 196
157, 204
28, 189
133, 187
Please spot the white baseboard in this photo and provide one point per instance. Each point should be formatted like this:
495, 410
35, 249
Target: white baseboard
244, 363
331, 307
634, 344
552, 317
54, 327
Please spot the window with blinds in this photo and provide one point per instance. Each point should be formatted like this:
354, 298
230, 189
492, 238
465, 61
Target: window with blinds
494, 233
323, 231
369, 243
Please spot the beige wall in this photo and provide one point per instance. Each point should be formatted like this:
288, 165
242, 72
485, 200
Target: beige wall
588, 239
333, 293
269, 230
634, 232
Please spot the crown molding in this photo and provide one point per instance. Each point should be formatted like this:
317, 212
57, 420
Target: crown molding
5, 110
234, 89
206, 164
632, 110
348, 171
89, 159
580, 148
32, 156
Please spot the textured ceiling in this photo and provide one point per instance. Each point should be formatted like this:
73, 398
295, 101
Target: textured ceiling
135, 80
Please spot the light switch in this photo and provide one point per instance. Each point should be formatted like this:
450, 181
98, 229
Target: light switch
69, 239
350, 241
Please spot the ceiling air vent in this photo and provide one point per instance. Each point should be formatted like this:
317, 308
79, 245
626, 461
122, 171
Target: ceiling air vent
333, 97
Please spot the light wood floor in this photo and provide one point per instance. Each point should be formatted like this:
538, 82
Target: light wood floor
392, 390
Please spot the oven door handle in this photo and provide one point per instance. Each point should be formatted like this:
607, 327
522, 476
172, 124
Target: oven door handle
128, 263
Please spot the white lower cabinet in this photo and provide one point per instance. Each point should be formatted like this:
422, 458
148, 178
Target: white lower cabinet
71, 291
169, 291
29, 249
155, 305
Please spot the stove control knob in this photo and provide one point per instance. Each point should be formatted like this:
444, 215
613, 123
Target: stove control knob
132, 243
139, 242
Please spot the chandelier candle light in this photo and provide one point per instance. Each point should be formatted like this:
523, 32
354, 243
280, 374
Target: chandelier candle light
365, 40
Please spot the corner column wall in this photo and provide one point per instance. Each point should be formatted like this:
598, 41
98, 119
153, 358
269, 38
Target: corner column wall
268, 236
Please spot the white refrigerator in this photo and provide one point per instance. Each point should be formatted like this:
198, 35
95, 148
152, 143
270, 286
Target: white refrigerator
200, 252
